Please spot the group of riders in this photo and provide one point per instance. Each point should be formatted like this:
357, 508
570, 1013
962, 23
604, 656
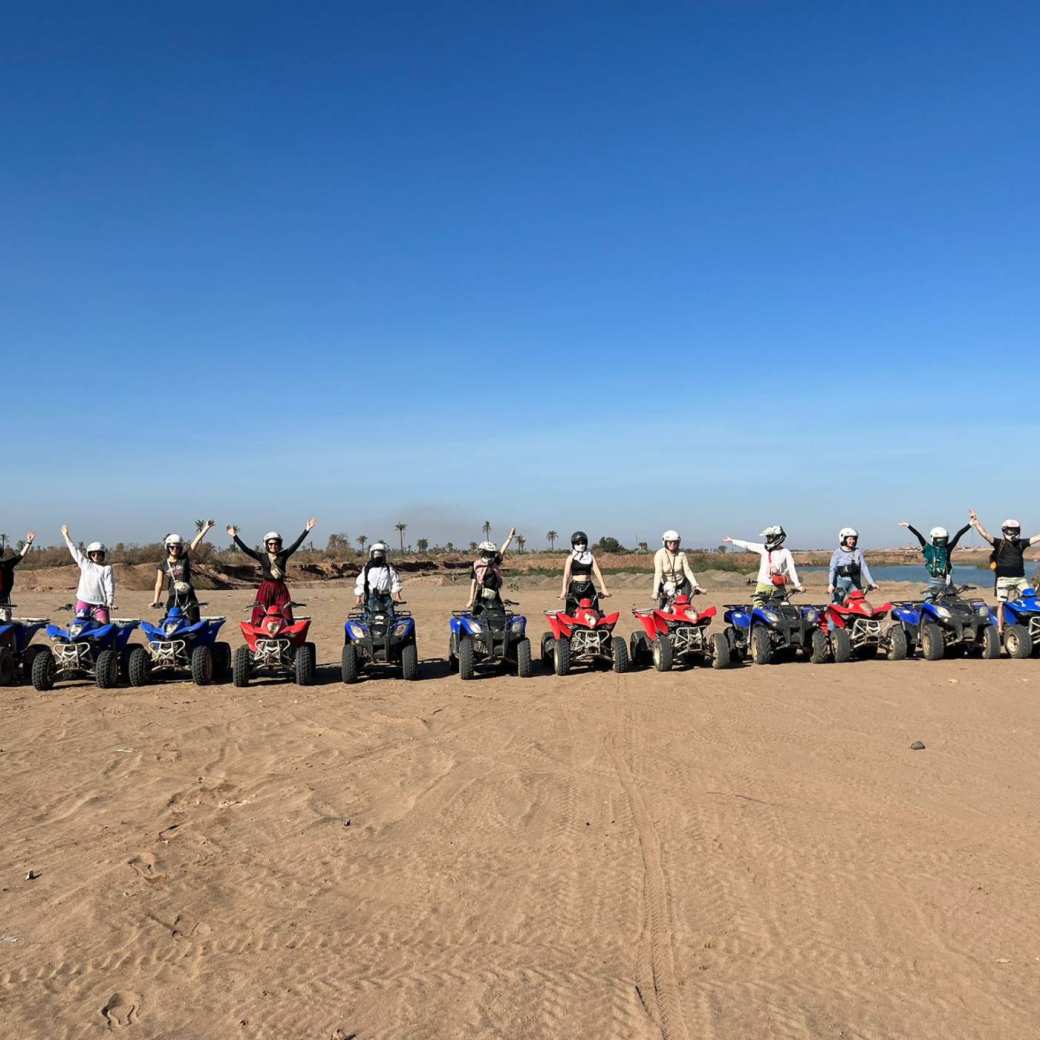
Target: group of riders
379, 583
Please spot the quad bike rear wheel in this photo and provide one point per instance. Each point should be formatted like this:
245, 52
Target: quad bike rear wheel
138, 666
761, 645
241, 666
620, 654
989, 644
305, 665
8, 666
410, 662
897, 643
106, 670
1017, 642
349, 664
43, 670
562, 655
821, 647
523, 659
720, 656
932, 644
466, 663
201, 665
662, 654
841, 645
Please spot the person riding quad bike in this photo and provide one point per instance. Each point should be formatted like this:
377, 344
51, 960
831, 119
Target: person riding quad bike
673, 575
378, 584
96, 592
581, 575
274, 562
175, 570
485, 587
938, 555
1007, 560
7, 566
776, 567
848, 569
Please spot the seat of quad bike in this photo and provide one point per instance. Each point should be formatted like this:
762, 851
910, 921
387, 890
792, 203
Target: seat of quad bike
30, 620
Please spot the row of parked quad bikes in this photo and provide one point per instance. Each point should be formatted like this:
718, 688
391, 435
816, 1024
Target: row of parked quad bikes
381, 639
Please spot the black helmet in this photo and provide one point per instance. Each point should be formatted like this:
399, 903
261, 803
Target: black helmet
579, 536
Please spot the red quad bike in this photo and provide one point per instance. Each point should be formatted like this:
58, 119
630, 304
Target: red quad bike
678, 634
854, 629
277, 646
584, 637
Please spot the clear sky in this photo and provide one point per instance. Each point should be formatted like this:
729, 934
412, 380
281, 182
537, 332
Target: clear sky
624, 267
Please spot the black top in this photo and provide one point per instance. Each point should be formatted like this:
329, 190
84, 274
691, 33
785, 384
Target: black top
1009, 556
7, 567
580, 571
281, 561
178, 569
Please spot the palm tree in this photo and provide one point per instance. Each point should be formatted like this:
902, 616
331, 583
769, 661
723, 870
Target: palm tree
361, 540
521, 541
550, 537
400, 527
486, 528
3, 544
424, 544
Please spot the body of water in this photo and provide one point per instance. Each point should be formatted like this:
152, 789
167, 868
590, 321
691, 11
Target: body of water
915, 572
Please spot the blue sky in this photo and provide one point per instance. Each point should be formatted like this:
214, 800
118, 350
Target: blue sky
711, 266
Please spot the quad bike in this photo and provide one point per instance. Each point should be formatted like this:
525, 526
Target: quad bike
678, 633
177, 645
1022, 624
585, 636
489, 635
946, 625
379, 638
16, 653
277, 646
854, 629
777, 628
87, 648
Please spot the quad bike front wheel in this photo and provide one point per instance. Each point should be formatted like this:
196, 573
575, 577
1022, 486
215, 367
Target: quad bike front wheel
29, 655
720, 656
138, 666
241, 666
620, 654
562, 656
349, 664
43, 671
410, 662
841, 645
201, 666
305, 665
897, 644
106, 670
466, 662
761, 645
989, 644
932, 644
662, 654
524, 667
1017, 642
821, 647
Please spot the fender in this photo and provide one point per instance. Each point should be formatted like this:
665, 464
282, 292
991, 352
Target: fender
653, 623
738, 616
560, 623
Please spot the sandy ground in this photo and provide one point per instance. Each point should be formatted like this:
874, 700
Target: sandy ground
742, 854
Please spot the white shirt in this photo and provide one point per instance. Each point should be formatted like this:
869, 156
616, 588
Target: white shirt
670, 569
97, 586
380, 579
777, 561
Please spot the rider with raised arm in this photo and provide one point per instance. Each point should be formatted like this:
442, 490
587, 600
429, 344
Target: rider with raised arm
848, 569
377, 581
937, 555
486, 582
776, 568
1007, 560
673, 575
7, 566
96, 593
274, 562
581, 575
176, 570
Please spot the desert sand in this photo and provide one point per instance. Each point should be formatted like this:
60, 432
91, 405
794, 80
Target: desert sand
732, 855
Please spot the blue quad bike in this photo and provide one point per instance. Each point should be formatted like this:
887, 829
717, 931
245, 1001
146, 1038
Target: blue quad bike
489, 635
17, 650
86, 649
377, 637
1022, 625
776, 630
946, 625
175, 645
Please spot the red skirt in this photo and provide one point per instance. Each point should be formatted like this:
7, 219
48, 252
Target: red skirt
271, 594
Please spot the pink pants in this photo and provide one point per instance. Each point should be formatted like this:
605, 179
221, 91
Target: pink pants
95, 610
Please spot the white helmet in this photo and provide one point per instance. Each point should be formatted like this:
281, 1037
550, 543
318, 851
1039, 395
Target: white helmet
377, 547
938, 533
272, 536
173, 539
96, 547
774, 535
670, 536
487, 547
1014, 525
847, 532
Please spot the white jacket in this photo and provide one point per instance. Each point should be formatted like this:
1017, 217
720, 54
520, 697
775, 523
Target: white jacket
97, 586
776, 561
380, 579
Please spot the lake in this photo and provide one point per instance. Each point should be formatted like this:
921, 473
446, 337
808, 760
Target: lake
915, 572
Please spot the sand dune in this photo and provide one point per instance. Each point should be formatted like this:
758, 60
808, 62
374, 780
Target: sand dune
743, 854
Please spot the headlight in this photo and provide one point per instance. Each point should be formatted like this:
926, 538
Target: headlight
983, 611
770, 616
942, 612
356, 630
811, 615
517, 626
171, 627
401, 628
475, 628
272, 627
